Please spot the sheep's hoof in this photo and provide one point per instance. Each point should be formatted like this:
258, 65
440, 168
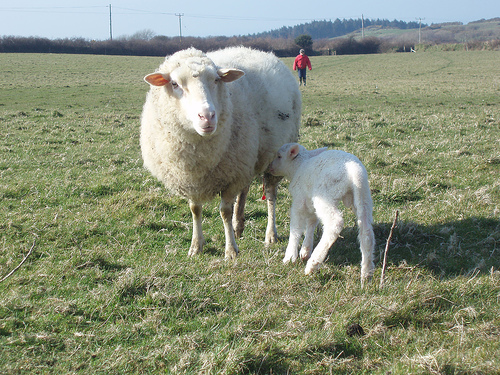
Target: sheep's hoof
195, 250
238, 229
271, 237
231, 254
196, 246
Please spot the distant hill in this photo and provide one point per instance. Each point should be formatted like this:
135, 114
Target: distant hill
331, 29
452, 32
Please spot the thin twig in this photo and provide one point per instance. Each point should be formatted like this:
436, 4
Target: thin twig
20, 264
387, 249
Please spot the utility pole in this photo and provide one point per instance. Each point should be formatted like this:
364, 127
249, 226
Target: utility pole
110, 25
420, 29
362, 27
180, 25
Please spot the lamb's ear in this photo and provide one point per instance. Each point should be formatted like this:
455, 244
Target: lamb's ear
293, 151
156, 79
230, 75
317, 151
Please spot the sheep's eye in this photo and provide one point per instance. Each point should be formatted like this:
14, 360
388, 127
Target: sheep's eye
175, 85
217, 80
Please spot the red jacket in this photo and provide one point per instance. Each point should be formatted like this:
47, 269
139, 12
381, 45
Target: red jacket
302, 62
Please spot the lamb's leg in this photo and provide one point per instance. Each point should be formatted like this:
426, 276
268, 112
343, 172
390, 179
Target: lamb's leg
270, 189
198, 240
308, 244
297, 225
239, 212
366, 239
226, 213
333, 223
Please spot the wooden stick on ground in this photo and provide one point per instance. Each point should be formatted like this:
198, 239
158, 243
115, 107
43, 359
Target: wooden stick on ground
20, 264
387, 249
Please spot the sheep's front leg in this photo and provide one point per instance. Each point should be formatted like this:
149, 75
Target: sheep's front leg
239, 212
198, 240
226, 213
270, 190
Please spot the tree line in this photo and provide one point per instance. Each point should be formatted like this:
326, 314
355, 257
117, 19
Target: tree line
162, 45
145, 43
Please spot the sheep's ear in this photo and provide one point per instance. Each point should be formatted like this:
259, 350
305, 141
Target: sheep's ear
293, 152
156, 79
230, 75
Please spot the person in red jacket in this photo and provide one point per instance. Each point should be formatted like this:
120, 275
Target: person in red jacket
300, 63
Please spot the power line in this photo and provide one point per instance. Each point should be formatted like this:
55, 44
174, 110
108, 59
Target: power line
130, 11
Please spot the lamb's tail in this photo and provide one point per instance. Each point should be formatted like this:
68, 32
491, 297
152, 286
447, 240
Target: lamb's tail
363, 207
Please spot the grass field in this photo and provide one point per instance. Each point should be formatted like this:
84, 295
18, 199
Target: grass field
108, 287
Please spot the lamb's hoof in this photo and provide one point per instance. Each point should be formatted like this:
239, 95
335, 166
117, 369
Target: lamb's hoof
311, 267
366, 279
305, 254
367, 274
289, 259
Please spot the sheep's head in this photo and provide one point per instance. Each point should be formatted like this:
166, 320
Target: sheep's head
195, 83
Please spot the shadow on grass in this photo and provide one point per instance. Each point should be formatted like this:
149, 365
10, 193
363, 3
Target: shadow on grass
446, 250
102, 264
272, 360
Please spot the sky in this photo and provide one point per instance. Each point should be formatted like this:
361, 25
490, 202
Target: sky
90, 19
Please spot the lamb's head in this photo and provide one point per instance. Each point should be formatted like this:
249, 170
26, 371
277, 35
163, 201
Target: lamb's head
285, 163
192, 80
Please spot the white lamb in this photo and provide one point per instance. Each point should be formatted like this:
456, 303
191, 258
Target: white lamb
211, 122
319, 180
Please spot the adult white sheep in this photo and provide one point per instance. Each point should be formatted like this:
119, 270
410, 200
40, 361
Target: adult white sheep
319, 180
211, 123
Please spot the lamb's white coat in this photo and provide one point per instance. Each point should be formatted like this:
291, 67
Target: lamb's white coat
211, 122
319, 180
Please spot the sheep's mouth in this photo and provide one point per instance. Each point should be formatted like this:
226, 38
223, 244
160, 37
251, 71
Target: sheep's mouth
207, 130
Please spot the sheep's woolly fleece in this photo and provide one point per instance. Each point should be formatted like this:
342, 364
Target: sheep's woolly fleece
256, 115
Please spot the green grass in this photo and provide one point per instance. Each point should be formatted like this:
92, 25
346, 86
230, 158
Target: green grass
109, 287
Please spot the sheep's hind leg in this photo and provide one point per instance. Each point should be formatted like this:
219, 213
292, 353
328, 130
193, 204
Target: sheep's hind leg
198, 240
226, 213
239, 212
270, 190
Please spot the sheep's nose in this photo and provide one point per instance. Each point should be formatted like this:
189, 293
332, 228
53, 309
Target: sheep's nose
208, 116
